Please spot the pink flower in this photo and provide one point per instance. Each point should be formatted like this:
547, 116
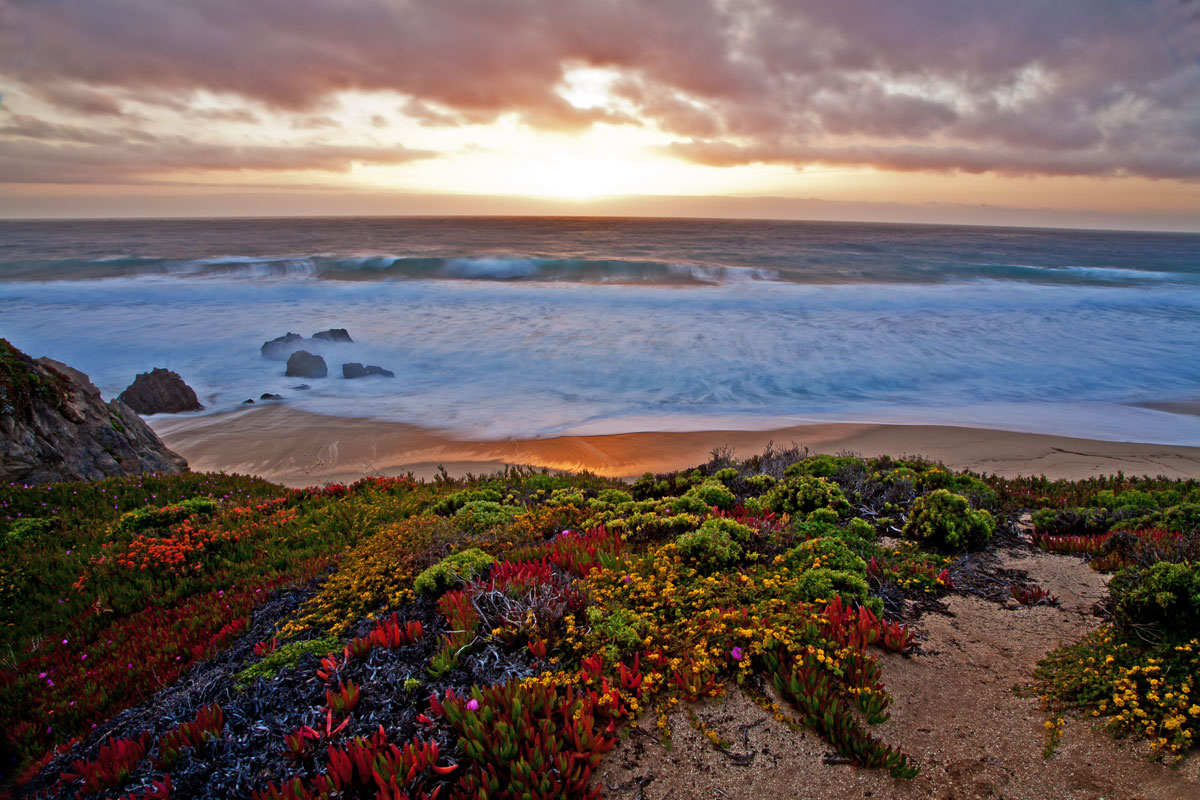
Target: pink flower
736, 653
472, 704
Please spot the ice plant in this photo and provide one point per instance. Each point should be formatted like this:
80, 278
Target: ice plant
206, 726
116, 759
343, 701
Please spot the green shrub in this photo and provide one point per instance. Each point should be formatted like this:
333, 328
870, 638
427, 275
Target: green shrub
742, 534
24, 529
821, 466
713, 495
760, 483
945, 521
727, 476
827, 552
450, 504
1184, 517
478, 516
810, 528
860, 528
452, 570
821, 584
1162, 600
976, 491
805, 494
688, 504
614, 496
569, 497
141, 519
650, 487
616, 630
710, 546
1072, 521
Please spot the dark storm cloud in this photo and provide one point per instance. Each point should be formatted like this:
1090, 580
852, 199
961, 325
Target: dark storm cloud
1072, 87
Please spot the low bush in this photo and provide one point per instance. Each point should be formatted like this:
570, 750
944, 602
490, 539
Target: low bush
1161, 601
945, 521
805, 494
451, 571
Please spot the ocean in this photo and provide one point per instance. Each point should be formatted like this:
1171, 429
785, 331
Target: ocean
532, 327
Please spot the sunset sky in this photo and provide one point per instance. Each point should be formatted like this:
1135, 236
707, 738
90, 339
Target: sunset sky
1068, 112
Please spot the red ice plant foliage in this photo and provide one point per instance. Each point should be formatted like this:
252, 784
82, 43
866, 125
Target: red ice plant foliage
579, 554
387, 633
116, 759
206, 726
537, 741
393, 772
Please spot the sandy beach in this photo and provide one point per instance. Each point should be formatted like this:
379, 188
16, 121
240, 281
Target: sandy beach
297, 448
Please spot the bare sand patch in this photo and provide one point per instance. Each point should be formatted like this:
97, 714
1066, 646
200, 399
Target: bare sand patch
954, 712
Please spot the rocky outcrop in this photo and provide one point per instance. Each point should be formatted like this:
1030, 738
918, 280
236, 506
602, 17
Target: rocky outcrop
55, 426
160, 391
303, 364
334, 335
356, 370
281, 347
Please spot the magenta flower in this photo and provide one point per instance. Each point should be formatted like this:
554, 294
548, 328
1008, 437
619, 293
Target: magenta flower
736, 653
472, 704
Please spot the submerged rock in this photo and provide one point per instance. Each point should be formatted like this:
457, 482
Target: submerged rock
281, 347
160, 391
356, 370
55, 426
270, 396
334, 335
303, 364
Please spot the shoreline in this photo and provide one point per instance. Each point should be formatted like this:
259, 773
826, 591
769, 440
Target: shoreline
299, 448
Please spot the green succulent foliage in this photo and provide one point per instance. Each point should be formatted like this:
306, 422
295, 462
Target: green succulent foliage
713, 494
1162, 600
452, 570
712, 546
945, 521
478, 516
25, 529
822, 466
805, 494
286, 657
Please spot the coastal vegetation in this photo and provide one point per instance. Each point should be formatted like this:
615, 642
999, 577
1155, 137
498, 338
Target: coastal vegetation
495, 636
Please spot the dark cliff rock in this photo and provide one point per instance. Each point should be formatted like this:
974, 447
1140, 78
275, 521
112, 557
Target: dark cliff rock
54, 426
160, 391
